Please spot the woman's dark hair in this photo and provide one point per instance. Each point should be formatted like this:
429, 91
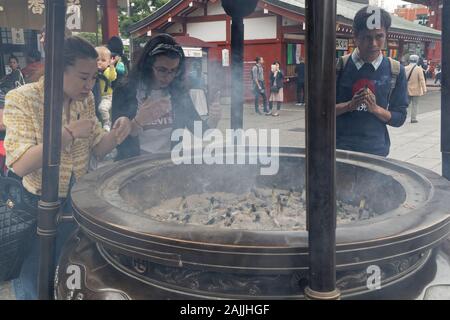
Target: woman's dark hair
366, 13
77, 48
115, 45
159, 45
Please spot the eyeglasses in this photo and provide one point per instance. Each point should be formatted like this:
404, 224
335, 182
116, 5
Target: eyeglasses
161, 71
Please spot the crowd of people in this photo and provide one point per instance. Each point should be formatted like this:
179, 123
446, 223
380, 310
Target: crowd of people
276, 95
133, 115
108, 106
431, 72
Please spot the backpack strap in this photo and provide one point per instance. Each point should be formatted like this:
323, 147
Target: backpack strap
395, 72
411, 73
342, 62
101, 76
340, 66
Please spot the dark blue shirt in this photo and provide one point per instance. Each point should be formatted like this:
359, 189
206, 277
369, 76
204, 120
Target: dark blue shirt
360, 130
300, 71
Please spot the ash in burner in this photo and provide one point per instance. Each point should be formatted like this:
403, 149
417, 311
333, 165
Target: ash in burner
259, 209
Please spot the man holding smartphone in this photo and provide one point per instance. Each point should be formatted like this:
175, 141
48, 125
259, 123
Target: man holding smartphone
371, 90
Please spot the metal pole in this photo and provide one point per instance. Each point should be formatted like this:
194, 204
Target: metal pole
237, 77
445, 91
321, 148
53, 101
237, 10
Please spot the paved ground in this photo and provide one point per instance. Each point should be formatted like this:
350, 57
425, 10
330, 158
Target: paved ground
6, 292
419, 143
415, 143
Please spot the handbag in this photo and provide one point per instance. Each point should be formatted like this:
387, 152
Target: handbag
18, 218
275, 88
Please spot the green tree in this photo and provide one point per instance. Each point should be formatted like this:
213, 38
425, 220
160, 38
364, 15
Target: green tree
139, 9
91, 37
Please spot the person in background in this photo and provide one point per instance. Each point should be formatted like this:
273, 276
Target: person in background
259, 87
195, 79
11, 81
276, 88
417, 85
120, 61
35, 67
300, 73
81, 137
106, 74
40, 69
428, 72
197, 88
14, 79
438, 75
423, 63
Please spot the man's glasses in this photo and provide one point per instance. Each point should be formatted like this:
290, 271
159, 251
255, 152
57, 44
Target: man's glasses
161, 71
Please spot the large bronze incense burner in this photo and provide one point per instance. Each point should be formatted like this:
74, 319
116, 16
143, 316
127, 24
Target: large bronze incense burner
123, 252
